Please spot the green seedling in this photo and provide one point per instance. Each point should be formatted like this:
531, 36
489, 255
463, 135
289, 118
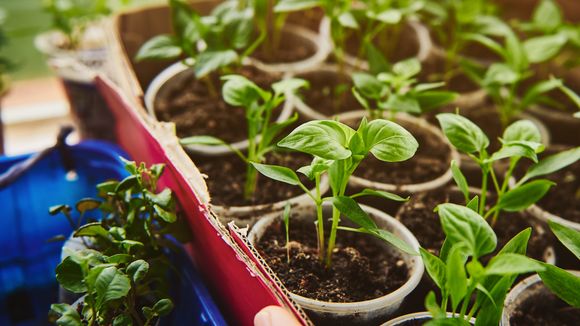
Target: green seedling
337, 150
398, 91
520, 140
467, 288
259, 104
122, 273
286, 218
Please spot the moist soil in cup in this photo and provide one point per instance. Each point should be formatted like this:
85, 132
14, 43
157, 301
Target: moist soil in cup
395, 45
227, 175
289, 48
544, 309
196, 112
361, 268
430, 161
310, 18
329, 93
564, 199
418, 216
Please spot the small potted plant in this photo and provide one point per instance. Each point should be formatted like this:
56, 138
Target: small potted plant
331, 287
120, 265
468, 288
550, 297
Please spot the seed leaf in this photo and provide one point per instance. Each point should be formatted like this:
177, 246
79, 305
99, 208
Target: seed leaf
278, 173
462, 133
388, 141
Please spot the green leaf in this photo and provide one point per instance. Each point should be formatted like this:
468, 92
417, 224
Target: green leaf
515, 150
94, 229
110, 285
522, 197
463, 225
346, 19
70, 275
407, 68
388, 141
377, 61
68, 315
456, 281
278, 173
462, 133
567, 236
473, 204
552, 164
162, 199
160, 47
430, 100
120, 259
433, 307
240, 91
533, 94
318, 166
289, 85
518, 244
500, 74
542, 48
460, 180
402, 103
87, 204
381, 194
137, 270
350, 208
522, 130
202, 140
127, 183
163, 307
210, 61
123, 320
53, 210
435, 267
547, 16
323, 138
562, 283
165, 215
512, 264
394, 240
276, 128
296, 5
368, 85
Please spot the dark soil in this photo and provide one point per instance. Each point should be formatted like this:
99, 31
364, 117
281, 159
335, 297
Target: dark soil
564, 199
307, 18
433, 70
330, 93
361, 269
227, 174
196, 112
430, 162
289, 48
418, 216
545, 309
395, 46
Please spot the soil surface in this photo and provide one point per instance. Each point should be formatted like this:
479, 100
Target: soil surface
307, 18
196, 112
287, 49
418, 216
433, 70
545, 309
330, 93
430, 161
227, 175
395, 45
361, 269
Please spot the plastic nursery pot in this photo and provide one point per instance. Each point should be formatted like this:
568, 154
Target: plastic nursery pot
410, 121
294, 37
417, 318
363, 312
524, 293
417, 33
169, 81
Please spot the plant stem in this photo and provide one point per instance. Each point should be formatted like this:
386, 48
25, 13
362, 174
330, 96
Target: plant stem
483, 191
319, 218
251, 180
332, 239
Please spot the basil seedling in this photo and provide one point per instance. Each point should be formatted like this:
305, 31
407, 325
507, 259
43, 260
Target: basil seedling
259, 104
122, 272
521, 139
398, 91
467, 287
337, 150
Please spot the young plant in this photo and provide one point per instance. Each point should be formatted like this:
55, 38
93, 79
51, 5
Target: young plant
467, 288
521, 139
123, 271
259, 104
338, 150
398, 91
503, 81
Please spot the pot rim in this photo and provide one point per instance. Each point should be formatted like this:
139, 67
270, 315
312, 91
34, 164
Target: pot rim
178, 68
415, 263
416, 315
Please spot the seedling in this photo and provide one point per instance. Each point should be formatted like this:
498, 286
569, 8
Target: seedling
259, 104
468, 288
337, 150
521, 139
122, 273
398, 91
503, 80
286, 218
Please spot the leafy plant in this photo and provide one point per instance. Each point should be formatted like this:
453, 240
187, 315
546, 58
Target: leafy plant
521, 139
398, 91
467, 287
337, 150
6, 64
503, 81
259, 104
122, 272
72, 17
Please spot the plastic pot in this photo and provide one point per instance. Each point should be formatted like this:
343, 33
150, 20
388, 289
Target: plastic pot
319, 42
437, 182
415, 319
179, 73
364, 312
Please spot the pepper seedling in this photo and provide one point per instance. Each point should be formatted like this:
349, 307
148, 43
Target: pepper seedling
521, 139
122, 272
467, 287
398, 91
337, 150
259, 104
